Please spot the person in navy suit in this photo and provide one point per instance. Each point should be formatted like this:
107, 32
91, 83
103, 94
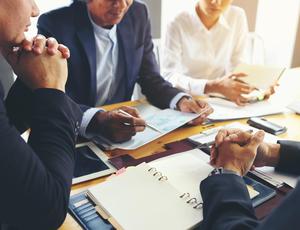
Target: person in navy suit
227, 204
35, 177
112, 50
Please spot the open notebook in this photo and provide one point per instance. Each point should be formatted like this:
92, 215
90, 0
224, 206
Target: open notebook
163, 194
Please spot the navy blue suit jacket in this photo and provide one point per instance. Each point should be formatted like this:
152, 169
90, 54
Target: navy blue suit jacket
227, 204
71, 26
35, 178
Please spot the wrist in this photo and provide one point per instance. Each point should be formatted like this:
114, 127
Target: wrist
99, 118
273, 155
212, 86
182, 100
221, 170
234, 169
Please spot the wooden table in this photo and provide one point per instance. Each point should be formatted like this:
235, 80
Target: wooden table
291, 121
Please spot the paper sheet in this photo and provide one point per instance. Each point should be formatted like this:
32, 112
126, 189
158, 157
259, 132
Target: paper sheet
226, 110
163, 120
261, 77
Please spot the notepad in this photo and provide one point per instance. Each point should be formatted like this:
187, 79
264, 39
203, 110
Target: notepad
163, 194
138, 200
259, 76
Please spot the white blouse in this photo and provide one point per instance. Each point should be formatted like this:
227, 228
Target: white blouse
193, 55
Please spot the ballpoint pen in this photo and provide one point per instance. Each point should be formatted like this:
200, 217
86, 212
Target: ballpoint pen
147, 124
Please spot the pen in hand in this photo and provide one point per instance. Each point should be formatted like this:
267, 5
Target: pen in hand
148, 125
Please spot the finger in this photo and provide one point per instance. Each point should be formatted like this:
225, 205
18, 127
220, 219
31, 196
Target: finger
52, 46
202, 117
256, 140
213, 155
241, 101
239, 137
39, 44
138, 124
132, 111
219, 139
197, 121
206, 109
193, 106
238, 75
202, 104
139, 128
223, 133
27, 44
243, 87
64, 51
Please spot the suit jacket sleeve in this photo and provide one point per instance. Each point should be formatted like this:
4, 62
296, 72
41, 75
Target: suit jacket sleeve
36, 177
289, 161
157, 90
227, 204
19, 106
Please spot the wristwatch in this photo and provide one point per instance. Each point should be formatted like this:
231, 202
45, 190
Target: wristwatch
221, 170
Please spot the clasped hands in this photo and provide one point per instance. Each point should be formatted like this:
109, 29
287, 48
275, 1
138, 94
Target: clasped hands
39, 62
241, 151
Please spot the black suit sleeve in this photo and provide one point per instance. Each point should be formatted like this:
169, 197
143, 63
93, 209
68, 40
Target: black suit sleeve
36, 178
19, 105
227, 204
158, 91
289, 161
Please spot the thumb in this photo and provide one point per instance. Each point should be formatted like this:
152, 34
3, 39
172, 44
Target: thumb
256, 140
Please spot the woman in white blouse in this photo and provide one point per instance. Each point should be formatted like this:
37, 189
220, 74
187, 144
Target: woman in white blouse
203, 46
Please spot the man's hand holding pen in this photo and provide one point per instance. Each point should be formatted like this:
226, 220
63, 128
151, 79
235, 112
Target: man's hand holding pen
118, 125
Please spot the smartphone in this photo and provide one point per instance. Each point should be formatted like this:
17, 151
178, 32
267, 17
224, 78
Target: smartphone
268, 126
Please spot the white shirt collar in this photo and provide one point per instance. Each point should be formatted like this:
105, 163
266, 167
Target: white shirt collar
222, 22
99, 30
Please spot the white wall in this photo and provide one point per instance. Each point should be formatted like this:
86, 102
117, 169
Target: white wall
277, 22
45, 6
170, 8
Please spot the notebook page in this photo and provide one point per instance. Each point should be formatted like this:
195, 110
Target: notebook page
185, 170
261, 77
227, 110
137, 200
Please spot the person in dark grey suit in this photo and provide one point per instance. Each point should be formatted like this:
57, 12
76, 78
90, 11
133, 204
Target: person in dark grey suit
227, 204
112, 50
35, 177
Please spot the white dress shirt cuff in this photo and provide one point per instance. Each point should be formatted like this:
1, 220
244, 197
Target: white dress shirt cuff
86, 119
197, 86
176, 99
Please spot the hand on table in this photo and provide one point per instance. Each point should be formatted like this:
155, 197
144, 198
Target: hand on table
237, 150
231, 87
267, 154
195, 106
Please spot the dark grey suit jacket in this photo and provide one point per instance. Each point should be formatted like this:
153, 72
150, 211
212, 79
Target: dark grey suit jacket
227, 204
